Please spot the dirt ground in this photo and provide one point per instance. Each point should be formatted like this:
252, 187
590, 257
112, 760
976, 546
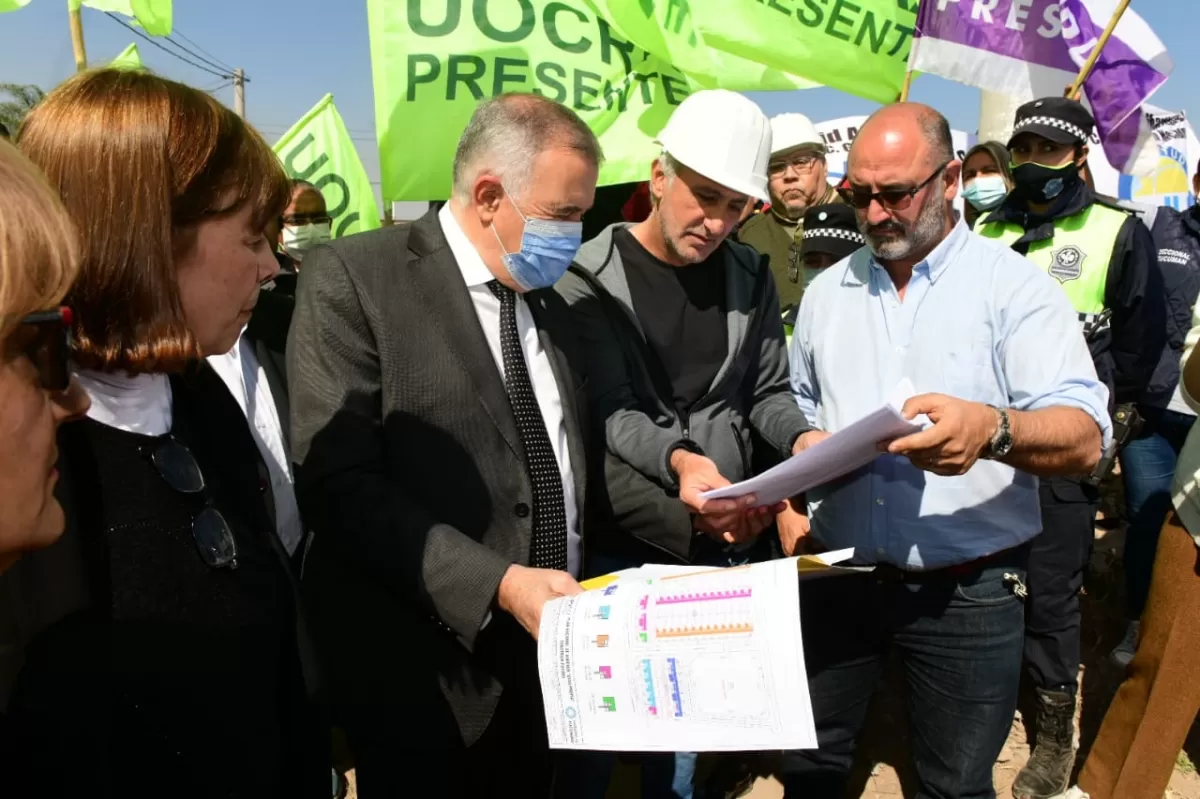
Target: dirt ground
882, 772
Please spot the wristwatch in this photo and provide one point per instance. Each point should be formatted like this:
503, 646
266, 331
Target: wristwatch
1002, 441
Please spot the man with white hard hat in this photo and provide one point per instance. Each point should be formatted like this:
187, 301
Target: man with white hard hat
686, 360
797, 180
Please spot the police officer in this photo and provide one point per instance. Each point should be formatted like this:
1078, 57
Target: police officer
1105, 259
830, 235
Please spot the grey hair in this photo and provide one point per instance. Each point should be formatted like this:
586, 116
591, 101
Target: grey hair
508, 132
668, 164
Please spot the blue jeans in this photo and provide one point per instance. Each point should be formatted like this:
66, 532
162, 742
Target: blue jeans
664, 776
1147, 468
960, 637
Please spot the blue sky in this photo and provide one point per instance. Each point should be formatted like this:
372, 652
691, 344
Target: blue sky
294, 51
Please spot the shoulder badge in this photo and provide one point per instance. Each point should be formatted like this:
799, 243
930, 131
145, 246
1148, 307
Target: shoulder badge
1066, 263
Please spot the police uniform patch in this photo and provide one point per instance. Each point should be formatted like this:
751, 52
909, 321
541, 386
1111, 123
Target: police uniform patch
1067, 263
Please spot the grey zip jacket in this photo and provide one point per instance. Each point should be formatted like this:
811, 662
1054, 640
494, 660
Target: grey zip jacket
631, 395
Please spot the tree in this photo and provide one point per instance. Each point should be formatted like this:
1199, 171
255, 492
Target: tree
17, 100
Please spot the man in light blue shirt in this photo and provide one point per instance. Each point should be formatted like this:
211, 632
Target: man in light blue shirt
993, 348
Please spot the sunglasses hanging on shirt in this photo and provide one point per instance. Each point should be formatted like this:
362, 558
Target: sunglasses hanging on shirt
178, 467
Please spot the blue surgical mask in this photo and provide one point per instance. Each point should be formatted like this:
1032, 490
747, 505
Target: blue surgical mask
547, 248
985, 192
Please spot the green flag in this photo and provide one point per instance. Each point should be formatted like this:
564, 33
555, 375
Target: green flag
859, 47
432, 62
153, 15
129, 58
318, 149
666, 29
12, 5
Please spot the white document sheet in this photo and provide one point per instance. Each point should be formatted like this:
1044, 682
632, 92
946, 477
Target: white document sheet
689, 659
840, 454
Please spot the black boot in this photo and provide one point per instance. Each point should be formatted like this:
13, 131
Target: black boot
1048, 772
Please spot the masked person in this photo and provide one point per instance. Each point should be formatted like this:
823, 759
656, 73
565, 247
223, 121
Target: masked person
686, 360
306, 221
830, 234
797, 179
987, 179
439, 438
1105, 261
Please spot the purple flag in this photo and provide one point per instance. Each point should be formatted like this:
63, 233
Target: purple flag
1035, 48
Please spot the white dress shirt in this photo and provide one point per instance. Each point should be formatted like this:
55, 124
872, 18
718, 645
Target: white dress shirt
476, 275
247, 381
139, 404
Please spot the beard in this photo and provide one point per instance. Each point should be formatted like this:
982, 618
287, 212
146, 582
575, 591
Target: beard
681, 249
893, 240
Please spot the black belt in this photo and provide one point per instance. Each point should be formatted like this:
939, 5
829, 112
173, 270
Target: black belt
956, 571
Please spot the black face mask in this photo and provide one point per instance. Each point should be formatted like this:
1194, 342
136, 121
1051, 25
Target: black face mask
1039, 183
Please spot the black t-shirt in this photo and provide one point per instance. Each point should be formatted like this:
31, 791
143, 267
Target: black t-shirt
682, 311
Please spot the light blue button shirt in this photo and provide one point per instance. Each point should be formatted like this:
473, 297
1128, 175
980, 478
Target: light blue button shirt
978, 322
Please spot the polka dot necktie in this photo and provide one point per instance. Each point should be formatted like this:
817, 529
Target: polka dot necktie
548, 550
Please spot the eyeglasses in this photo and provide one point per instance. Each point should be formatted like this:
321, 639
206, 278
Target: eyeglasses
177, 466
891, 199
49, 346
803, 163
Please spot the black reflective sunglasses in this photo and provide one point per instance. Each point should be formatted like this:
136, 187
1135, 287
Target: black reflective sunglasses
49, 346
177, 466
891, 199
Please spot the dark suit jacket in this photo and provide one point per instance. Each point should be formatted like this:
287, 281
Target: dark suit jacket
411, 475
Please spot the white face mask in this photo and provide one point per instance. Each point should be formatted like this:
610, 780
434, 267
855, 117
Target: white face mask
299, 239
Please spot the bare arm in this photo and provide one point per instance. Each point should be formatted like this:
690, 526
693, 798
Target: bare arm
1049, 442
1054, 442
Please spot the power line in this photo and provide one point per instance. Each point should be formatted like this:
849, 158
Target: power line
176, 32
134, 30
197, 55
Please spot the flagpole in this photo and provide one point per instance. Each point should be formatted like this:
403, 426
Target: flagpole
77, 44
908, 76
1077, 86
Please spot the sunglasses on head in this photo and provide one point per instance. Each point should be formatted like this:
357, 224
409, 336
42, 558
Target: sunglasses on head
47, 346
891, 199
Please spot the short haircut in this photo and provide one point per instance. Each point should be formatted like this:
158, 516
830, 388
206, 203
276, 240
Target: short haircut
140, 161
936, 130
39, 249
508, 132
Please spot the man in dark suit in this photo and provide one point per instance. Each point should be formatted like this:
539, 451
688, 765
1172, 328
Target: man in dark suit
438, 432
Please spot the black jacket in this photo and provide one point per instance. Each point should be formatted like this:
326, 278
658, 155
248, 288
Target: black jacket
1177, 237
1126, 352
132, 657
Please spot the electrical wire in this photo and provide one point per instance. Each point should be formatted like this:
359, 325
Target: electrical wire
134, 30
197, 55
220, 64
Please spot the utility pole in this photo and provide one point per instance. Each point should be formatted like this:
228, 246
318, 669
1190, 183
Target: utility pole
239, 92
77, 45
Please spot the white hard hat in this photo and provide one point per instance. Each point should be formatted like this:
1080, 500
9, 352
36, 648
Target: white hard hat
723, 136
789, 131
